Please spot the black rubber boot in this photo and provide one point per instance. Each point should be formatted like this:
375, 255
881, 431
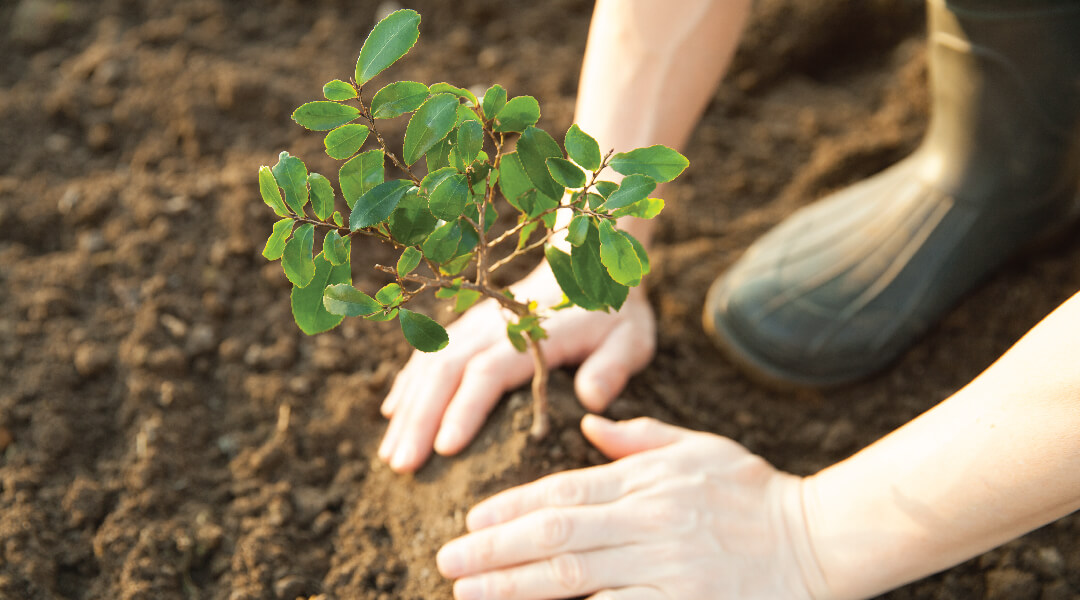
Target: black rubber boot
842, 287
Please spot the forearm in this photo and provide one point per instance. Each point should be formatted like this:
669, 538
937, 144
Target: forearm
650, 69
997, 459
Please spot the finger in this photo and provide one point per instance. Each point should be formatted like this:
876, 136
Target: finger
538, 535
562, 576
592, 485
623, 438
400, 386
630, 593
422, 415
625, 351
486, 377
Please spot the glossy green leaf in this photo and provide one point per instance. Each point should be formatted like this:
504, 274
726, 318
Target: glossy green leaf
307, 302
409, 260
296, 259
345, 141
389, 294
456, 265
442, 244
397, 99
322, 195
388, 41
513, 180
516, 339
376, 205
525, 233
383, 315
361, 173
432, 122
494, 100
323, 115
449, 198
465, 113
271, 195
605, 188
347, 301
534, 147
642, 255
469, 140
439, 155
291, 175
633, 189
465, 299
592, 275
490, 215
618, 255
533, 203
659, 162
434, 178
337, 219
336, 248
577, 230
275, 245
443, 87
422, 332
565, 173
338, 90
563, 270
518, 114
648, 208
582, 148
411, 222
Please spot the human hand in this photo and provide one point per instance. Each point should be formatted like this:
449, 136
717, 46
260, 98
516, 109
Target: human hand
679, 514
440, 400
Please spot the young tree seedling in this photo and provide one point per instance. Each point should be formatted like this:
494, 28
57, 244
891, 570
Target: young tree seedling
458, 172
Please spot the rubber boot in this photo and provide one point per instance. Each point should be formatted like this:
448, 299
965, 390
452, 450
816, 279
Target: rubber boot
844, 286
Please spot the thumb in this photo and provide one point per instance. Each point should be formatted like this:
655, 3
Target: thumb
623, 438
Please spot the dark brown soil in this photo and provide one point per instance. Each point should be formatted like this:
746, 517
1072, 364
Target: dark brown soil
167, 432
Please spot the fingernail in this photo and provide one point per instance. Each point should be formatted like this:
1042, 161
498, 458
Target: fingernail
403, 459
449, 561
384, 450
468, 589
449, 439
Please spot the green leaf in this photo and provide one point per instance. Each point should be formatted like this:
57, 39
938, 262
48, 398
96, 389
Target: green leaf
577, 230
338, 220
534, 147
642, 209
307, 302
526, 231
291, 175
563, 270
533, 203
360, 174
465, 113
347, 301
439, 155
617, 253
271, 195
513, 180
322, 115
434, 178
322, 195
376, 205
429, 125
465, 299
344, 141
582, 148
605, 188
659, 162
456, 265
519, 113
338, 90
592, 276
384, 315
336, 248
296, 258
633, 189
464, 94
448, 199
411, 222
494, 100
391, 39
470, 140
275, 245
516, 339
642, 255
409, 260
397, 99
565, 173
442, 244
422, 332
389, 294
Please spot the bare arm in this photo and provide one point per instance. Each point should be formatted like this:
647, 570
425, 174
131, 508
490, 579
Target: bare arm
997, 459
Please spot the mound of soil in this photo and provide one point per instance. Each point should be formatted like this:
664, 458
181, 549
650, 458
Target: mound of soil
167, 432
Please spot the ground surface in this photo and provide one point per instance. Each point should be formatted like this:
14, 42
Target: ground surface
147, 353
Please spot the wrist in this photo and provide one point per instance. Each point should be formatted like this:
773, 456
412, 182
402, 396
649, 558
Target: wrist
810, 579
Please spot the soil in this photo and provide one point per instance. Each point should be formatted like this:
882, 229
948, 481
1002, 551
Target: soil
167, 432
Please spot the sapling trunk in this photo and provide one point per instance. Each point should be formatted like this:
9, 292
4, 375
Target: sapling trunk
458, 162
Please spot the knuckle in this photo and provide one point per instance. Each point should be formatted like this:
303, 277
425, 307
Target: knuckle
566, 491
485, 366
555, 526
569, 572
502, 585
